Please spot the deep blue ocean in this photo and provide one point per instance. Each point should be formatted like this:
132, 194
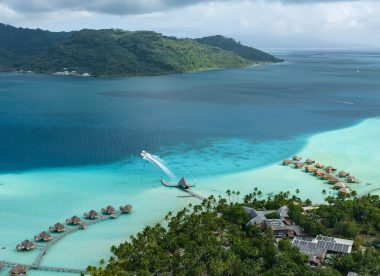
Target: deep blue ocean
55, 121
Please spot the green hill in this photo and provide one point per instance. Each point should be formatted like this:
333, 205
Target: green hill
230, 44
112, 53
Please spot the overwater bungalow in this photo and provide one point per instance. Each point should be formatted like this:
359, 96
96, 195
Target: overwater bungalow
340, 185
83, 226
310, 169
352, 179
25, 246
319, 172
299, 165
309, 161
43, 236
287, 162
126, 209
344, 191
74, 220
319, 165
330, 169
91, 215
334, 180
57, 228
327, 176
109, 210
343, 174
296, 158
18, 270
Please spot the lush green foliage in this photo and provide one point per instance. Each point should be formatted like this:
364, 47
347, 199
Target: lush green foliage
230, 44
212, 239
113, 53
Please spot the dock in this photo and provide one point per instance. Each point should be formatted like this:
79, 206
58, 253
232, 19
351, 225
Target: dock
56, 238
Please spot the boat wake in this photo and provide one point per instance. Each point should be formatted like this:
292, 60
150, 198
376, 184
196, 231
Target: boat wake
157, 161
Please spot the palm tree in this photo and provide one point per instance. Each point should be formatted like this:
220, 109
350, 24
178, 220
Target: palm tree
297, 191
324, 191
229, 195
237, 194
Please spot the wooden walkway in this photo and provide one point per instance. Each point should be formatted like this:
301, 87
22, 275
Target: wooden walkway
200, 197
45, 247
369, 191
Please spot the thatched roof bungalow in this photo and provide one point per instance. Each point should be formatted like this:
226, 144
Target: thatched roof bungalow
319, 172
43, 236
352, 179
296, 158
74, 220
18, 270
25, 246
91, 215
83, 226
109, 210
330, 169
327, 176
344, 191
57, 228
309, 161
340, 185
299, 165
319, 165
343, 174
287, 162
126, 209
310, 169
334, 180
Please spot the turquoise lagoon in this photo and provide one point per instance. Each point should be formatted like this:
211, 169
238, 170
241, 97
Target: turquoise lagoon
70, 145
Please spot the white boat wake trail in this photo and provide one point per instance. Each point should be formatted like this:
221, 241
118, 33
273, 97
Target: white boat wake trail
155, 160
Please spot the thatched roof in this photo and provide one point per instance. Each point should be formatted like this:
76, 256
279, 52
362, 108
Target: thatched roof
109, 210
319, 172
339, 185
44, 236
299, 165
327, 176
25, 245
18, 270
309, 161
352, 179
344, 191
343, 174
310, 169
126, 209
319, 165
330, 169
74, 220
334, 180
91, 215
296, 158
287, 162
58, 227
183, 183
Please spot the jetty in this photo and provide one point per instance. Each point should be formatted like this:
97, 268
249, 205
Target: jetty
47, 241
185, 186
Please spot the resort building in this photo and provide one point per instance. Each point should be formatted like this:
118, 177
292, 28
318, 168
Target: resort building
126, 209
25, 246
316, 248
73, 220
91, 215
18, 270
43, 236
183, 183
109, 210
57, 228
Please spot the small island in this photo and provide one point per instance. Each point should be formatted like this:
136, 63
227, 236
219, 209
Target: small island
115, 52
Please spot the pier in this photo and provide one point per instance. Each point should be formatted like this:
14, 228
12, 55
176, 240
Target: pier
69, 230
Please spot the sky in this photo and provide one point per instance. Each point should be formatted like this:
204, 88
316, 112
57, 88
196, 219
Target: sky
260, 23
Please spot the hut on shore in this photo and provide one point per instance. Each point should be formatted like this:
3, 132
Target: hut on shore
83, 226
43, 236
126, 209
352, 179
319, 172
344, 191
25, 246
57, 228
339, 185
18, 270
334, 180
309, 161
74, 220
299, 165
296, 158
319, 165
310, 169
287, 162
327, 176
343, 174
109, 210
91, 215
